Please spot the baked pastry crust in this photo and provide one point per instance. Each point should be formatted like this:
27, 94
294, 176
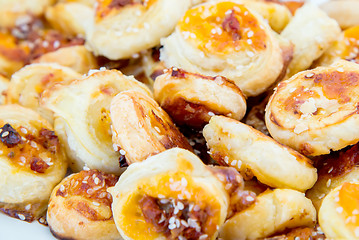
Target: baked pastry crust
80, 207
236, 144
338, 212
32, 162
82, 118
226, 39
273, 212
315, 111
123, 29
4, 84
343, 11
308, 47
173, 176
28, 84
141, 128
191, 99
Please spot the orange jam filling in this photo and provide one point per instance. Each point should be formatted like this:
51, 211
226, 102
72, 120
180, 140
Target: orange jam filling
105, 7
351, 38
349, 203
11, 50
176, 187
223, 28
26, 151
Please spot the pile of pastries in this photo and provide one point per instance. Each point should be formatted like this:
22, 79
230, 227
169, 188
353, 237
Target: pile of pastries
181, 119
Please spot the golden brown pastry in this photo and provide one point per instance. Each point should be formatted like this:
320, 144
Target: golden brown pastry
345, 47
226, 39
308, 47
171, 195
32, 162
80, 207
301, 233
82, 118
273, 212
141, 128
192, 99
343, 11
70, 18
338, 214
333, 170
12, 11
238, 145
76, 57
123, 28
13, 56
315, 111
28, 84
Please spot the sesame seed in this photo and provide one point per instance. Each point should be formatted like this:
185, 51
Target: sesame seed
329, 182
249, 41
4, 134
196, 208
250, 54
176, 210
297, 238
157, 129
21, 217
330, 170
178, 223
163, 218
171, 226
122, 152
340, 69
33, 144
321, 196
309, 75
22, 159
56, 44
97, 181
184, 182
62, 188
211, 114
96, 203
234, 162
250, 34
86, 168
250, 198
172, 220
28, 207
204, 236
184, 223
180, 206
339, 209
23, 130
226, 159
239, 164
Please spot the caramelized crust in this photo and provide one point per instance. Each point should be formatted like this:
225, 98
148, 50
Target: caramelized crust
191, 99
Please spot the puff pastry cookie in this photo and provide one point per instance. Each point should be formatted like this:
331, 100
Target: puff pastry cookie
32, 162
170, 195
28, 84
338, 214
343, 11
191, 99
123, 28
12, 10
70, 18
141, 128
315, 111
235, 144
308, 47
80, 207
333, 170
345, 47
273, 212
82, 118
76, 57
226, 39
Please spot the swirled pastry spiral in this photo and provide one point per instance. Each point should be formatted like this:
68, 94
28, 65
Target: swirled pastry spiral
141, 128
338, 214
28, 84
70, 18
308, 47
32, 162
76, 57
334, 170
226, 39
315, 111
235, 144
82, 118
343, 11
171, 195
80, 207
273, 212
125, 27
191, 99
345, 47
12, 10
